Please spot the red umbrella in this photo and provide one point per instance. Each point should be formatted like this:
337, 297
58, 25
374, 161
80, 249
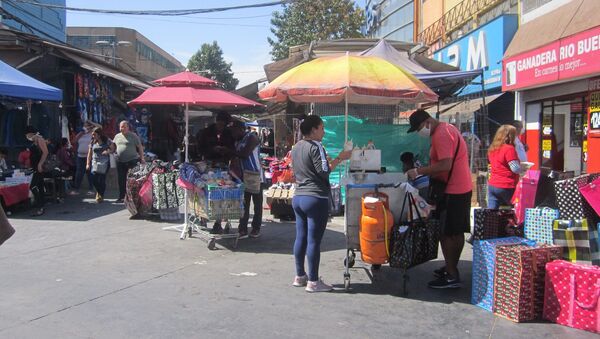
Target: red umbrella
207, 97
186, 78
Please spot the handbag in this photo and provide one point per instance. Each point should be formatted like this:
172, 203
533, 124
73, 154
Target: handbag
492, 224
413, 242
437, 187
100, 167
52, 163
538, 224
525, 194
252, 181
591, 193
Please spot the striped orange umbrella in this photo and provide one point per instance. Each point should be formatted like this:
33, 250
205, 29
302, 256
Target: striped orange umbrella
355, 79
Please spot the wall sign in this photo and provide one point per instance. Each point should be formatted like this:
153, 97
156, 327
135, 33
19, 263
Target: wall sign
566, 58
482, 48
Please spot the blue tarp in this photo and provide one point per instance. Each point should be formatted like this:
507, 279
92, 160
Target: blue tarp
16, 84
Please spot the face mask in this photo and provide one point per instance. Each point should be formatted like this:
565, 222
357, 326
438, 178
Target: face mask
424, 132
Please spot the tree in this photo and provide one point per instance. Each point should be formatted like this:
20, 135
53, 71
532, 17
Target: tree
303, 21
209, 62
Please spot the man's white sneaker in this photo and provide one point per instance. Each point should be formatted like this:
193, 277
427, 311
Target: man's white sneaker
318, 286
300, 281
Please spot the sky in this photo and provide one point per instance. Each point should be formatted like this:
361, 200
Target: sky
241, 34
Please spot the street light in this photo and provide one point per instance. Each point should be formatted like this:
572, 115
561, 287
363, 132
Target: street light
113, 44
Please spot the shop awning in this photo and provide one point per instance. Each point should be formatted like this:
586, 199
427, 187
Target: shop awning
16, 84
105, 70
571, 18
463, 107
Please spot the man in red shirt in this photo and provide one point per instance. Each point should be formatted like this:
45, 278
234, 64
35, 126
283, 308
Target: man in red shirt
449, 162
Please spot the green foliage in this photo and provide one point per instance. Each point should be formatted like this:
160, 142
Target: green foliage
303, 21
210, 58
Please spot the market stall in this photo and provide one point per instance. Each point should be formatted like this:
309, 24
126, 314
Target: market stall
189, 89
18, 87
355, 80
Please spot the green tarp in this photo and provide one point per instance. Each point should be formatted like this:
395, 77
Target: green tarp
392, 140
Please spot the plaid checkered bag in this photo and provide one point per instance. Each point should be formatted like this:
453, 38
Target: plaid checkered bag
538, 224
579, 242
519, 280
492, 224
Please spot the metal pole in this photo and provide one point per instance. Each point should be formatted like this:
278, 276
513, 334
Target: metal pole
186, 143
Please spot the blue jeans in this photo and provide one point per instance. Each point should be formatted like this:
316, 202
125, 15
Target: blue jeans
80, 171
311, 219
499, 197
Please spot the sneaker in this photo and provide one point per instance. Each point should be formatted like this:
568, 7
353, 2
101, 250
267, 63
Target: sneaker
318, 286
242, 234
440, 272
255, 233
300, 281
447, 281
217, 229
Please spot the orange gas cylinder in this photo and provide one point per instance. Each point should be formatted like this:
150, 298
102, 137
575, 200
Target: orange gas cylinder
375, 228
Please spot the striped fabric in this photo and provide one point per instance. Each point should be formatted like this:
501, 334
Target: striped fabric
579, 242
252, 162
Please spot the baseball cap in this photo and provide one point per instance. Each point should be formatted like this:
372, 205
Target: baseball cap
416, 119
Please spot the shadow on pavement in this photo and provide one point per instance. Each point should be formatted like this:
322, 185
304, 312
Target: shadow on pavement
79, 208
388, 281
278, 237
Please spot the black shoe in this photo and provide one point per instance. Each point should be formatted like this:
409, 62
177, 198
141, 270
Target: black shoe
217, 229
119, 201
440, 272
447, 281
255, 233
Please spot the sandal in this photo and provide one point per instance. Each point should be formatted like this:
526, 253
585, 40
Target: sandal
38, 213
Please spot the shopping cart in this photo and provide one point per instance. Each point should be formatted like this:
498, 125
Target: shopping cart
218, 204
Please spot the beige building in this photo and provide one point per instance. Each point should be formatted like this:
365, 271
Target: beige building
127, 49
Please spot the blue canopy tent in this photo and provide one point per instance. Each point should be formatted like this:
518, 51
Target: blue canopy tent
16, 84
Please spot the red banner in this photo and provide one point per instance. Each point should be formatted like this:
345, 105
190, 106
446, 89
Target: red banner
567, 58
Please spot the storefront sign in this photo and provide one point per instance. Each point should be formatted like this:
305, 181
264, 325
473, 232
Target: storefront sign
482, 48
566, 58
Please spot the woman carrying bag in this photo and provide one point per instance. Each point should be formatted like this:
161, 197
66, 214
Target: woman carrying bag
98, 162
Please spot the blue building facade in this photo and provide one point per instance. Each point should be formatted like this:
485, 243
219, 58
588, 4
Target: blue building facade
44, 22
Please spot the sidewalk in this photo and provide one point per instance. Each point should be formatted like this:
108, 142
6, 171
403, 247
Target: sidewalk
86, 270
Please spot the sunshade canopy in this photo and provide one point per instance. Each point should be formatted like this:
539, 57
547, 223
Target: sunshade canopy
358, 79
185, 78
207, 97
16, 84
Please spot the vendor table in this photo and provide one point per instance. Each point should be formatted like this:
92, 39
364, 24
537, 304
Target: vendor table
13, 194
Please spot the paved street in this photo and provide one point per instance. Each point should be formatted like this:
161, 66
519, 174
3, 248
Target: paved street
86, 271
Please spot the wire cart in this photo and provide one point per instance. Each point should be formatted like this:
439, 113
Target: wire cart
354, 193
218, 204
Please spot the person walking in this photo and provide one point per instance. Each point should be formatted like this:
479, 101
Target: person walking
311, 201
247, 150
504, 167
39, 154
129, 152
98, 162
449, 164
82, 140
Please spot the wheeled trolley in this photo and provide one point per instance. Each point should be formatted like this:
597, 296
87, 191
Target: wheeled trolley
355, 189
215, 204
